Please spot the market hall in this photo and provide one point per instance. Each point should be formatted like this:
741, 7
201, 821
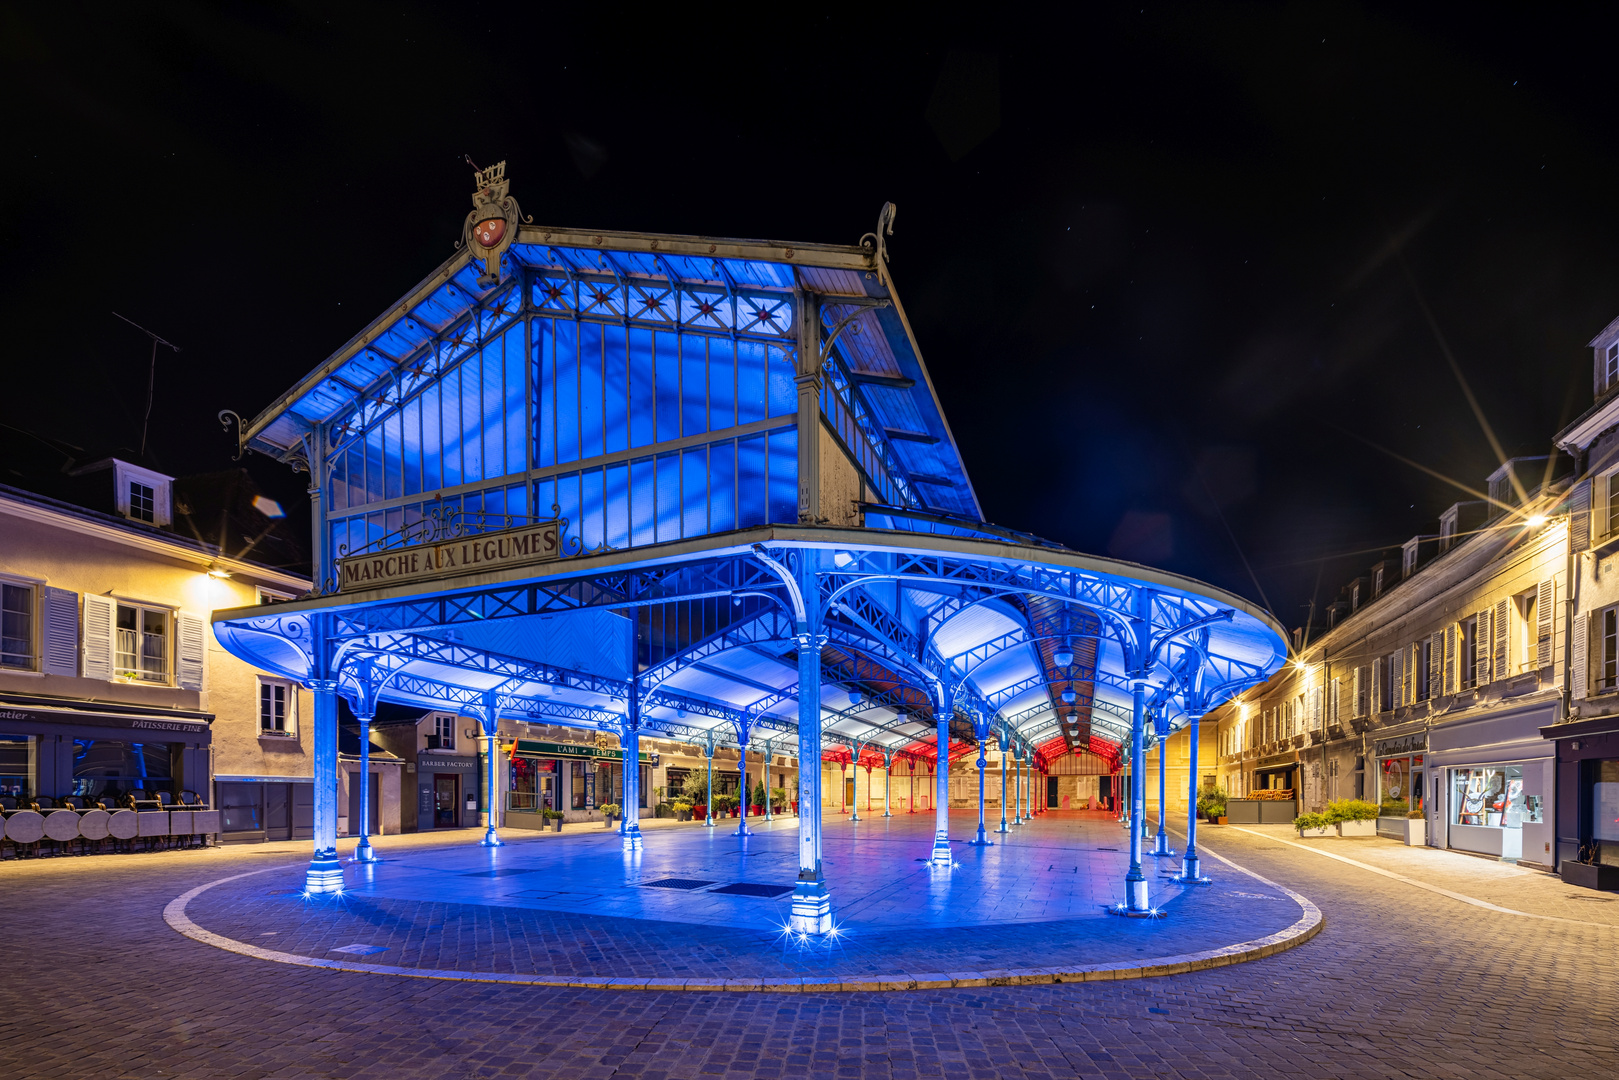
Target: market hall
685, 488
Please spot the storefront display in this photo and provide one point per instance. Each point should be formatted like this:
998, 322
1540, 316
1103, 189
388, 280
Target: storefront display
533, 785
1604, 823
1400, 787
1488, 809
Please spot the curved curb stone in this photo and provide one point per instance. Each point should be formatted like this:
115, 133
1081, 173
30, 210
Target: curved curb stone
1308, 926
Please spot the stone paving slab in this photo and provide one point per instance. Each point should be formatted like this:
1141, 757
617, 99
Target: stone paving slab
452, 913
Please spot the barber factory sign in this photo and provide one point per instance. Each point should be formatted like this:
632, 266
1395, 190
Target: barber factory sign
479, 553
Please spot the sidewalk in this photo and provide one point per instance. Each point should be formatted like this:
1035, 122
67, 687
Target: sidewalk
1502, 884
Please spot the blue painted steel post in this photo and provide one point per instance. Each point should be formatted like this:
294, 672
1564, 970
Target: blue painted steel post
742, 767
812, 906
1161, 844
1017, 785
888, 781
325, 873
854, 771
1003, 827
708, 822
982, 839
491, 723
941, 754
1135, 882
1191, 873
362, 851
629, 826
764, 777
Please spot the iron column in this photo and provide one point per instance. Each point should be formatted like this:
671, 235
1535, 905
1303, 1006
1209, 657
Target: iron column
1161, 844
362, 850
325, 873
1003, 827
1135, 882
812, 906
941, 812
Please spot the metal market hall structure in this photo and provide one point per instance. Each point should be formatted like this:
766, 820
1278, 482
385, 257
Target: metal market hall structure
701, 489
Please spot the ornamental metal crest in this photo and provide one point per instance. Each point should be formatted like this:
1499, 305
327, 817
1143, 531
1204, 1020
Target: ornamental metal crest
492, 225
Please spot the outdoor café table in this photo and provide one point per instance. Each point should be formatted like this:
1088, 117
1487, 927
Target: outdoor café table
93, 824
121, 825
25, 827
62, 825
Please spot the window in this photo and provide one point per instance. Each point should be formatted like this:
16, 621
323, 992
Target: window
142, 501
1385, 690
1610, 489
1377, 582
1423, 655
1525, 639
576, 783
106, 768
1610, 367
1467, 653
19, 765
1608, 654
1493, 797
444, 729
17, 626
268, 596
277, 705
142, 649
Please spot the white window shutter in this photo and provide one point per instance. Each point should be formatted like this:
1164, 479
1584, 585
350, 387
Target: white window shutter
1436, 664
1543, 624
1577, 679
191, 653
100, 613
1400, 681
1481, 648
1316, 696
1579, 516
1502, 626
1451, 680
60, 656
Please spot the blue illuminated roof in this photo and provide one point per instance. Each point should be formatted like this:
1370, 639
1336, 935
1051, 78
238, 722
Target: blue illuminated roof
741, 287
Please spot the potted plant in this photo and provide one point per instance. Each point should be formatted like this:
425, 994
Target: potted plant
778, 799
553, 818
612, 812
759, 798
1588, 873
699, 812
1416, 829
1211, 802
1311, 825
1354, 817
682, 810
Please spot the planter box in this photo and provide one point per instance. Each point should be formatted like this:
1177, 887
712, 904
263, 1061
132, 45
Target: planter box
1416, 832
1590, 876
1357, 828
556, 824
1321, 831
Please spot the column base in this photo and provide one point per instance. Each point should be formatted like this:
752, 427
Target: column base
742, 829
1135, 897
364, 852
708, 822
854, 816
982, 840
1161, 846
491, 838
325, 874
941, 852
1191, 873
631, 838
812, 909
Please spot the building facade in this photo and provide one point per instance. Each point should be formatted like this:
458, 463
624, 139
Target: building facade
111, 680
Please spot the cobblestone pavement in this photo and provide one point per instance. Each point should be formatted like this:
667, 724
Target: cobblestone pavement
1402, 982
586, 910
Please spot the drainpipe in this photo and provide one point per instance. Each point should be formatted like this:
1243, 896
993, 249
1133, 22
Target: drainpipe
1571, 563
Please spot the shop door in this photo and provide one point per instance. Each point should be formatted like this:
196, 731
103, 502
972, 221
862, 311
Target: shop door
848, 792
354, 803
446, 800
1051, 793
277, 812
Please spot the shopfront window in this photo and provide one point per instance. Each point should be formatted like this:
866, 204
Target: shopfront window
576, 787
1400, 785
1605, 809
19, 766
241, 807
108, 768
1492, 796
533, 785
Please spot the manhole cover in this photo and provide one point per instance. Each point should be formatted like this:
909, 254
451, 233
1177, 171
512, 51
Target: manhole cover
676, 883
748, 888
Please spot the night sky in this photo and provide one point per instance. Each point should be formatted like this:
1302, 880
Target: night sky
1166, 265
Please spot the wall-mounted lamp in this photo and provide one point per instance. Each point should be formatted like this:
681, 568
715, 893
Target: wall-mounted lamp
217, 572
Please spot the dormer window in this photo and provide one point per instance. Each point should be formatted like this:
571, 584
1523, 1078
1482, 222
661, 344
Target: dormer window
142, 501
1377, 582
1610, 367
143, 495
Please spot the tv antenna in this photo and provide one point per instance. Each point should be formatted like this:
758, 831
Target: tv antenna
151, 375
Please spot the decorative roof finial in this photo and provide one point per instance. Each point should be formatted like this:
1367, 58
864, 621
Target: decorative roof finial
492, 225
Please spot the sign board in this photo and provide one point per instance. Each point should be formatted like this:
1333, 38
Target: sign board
522, 546
1415, 743
536, 748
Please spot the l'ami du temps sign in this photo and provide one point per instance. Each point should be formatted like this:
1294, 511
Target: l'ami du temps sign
450, 558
